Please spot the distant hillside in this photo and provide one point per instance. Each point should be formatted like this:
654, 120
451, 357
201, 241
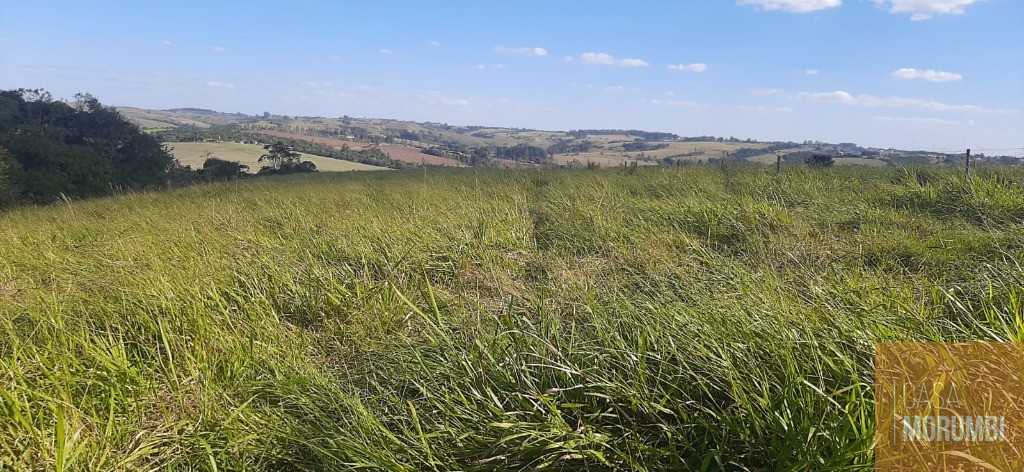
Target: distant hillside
431, 143
204, 111
165, 119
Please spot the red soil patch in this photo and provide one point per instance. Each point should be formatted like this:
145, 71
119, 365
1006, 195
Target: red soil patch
397, 152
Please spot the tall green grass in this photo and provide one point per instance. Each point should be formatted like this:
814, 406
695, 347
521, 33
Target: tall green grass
659, 319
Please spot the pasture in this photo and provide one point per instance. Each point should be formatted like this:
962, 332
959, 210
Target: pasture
698, 318
397, 152
194, 154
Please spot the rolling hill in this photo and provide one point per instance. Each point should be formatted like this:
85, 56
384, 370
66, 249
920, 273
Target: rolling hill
441, 144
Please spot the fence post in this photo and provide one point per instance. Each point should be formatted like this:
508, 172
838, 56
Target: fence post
967, 164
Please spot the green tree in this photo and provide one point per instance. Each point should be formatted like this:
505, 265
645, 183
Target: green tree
481, 157
819, 160
215, 168
279, 155
6, 166
8, 169
54, 148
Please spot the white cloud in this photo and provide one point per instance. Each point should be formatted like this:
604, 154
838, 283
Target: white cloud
929, 75
845, 98
435, 43
600, 58
220, 85
766, 92
389, 52
334, 58
812, 72
695, 67
690, 105
613, 88
431, 97
597, 58
495, 66
794, 6
216, 48
924, 121
525, 52
832, 97
568, 58
926, 9
168, 43
768, 110
633, 63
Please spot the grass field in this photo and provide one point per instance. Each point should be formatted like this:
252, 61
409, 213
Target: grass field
857, 161
194, 154
660, 319
770, 159
609, 153
406, 154
603, 159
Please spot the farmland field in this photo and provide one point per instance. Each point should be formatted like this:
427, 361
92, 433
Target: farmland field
702, 150
409, 155
335, 143
446, 319
770, 159
194, 154
603, 159
608, 151
162, 119
857, 161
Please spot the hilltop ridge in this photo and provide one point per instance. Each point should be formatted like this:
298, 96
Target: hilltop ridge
434, 143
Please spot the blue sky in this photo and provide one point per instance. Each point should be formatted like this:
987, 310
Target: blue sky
920, 74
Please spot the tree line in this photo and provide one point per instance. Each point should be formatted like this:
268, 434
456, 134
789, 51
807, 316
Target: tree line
523, 153
52, 149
